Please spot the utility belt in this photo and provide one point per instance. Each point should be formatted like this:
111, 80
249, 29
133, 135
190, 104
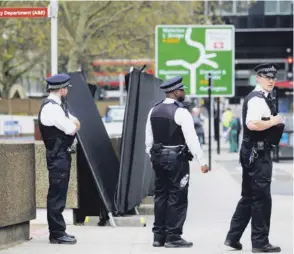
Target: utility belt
182, 151
59, 146
253, 150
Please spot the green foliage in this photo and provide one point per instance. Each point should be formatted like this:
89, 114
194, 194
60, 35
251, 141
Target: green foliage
91, 29
118, 29
23, 44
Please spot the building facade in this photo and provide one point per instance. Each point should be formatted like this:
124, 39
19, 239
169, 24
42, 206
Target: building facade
263, 33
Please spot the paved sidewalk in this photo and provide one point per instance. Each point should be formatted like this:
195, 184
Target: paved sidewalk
212, 200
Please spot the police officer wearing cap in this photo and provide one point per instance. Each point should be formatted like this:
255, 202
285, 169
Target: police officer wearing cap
171, 141
263, 129
58, 128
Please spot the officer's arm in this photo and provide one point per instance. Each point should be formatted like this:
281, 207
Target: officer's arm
185, 120
148, 134
254, 115
71, 117
60, 121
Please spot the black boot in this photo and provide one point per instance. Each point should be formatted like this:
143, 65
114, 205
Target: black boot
234, 245
267, 249
158, 240
62, 240
178, 243
71, 236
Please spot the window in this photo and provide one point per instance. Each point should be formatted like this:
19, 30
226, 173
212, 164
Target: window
242, 22
282, 7
227, 7
271, 7
270, 21
242, 7
286, 7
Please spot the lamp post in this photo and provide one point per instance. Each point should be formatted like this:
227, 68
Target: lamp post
54, 36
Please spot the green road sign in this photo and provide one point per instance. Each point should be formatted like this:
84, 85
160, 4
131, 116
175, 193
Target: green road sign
194, 51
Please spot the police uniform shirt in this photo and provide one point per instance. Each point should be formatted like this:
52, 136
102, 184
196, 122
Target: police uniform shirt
53, 115
185, 120
257, 107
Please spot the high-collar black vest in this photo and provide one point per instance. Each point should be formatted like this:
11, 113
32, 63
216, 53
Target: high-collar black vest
254, 135
165, 130
50, 134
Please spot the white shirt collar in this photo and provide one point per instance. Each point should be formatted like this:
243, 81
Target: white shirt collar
54, 97
169, 100
259, 88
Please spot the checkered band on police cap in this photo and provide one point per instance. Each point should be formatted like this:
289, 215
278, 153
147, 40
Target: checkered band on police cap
58, 81
172, 85
53, 86
267, 69
179, 86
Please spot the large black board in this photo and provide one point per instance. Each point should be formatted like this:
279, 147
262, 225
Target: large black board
94, 140
136, 176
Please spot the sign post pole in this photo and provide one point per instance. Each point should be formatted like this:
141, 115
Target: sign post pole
54, 36
217, 126
209, 119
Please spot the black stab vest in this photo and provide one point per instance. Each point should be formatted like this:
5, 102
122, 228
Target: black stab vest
165, 130
50, 134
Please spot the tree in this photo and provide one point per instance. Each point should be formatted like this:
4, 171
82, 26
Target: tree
117, 29
23, 43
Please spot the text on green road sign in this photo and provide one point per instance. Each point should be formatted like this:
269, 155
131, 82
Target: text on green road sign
195, 51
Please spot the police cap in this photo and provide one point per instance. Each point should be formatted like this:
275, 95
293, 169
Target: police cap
58, 81
172, 85
268, 70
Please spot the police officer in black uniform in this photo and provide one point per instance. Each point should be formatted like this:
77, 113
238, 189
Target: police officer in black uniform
263, 129
171, 141
58, 128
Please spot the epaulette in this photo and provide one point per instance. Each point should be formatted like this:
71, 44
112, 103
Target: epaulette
179, 104
259, 94
158, 103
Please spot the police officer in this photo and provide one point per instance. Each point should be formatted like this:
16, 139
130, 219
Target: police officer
259, 117
58, 128
171, 141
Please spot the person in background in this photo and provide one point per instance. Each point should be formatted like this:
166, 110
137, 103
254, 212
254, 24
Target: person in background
226, 119
198, 124
233, 134
239, 128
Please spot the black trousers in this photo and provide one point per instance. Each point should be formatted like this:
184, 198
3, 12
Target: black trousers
59, 173
171, 197
256, 201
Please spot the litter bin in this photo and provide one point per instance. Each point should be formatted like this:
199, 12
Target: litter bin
37, 133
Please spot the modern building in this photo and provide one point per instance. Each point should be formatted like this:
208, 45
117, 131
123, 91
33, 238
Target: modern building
263, 33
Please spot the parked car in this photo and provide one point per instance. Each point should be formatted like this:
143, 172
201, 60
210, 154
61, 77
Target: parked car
113, 120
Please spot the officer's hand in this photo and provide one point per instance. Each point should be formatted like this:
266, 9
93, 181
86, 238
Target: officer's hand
204, 169
276, 119
77, 123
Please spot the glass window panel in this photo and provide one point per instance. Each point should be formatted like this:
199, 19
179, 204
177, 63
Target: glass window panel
242, 7
227, 7
285, 7
270, 21
271, 7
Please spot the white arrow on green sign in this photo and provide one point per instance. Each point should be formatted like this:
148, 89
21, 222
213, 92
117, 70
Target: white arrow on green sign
194, 51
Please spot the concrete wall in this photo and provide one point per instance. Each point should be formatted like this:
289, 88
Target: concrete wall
24, 186
17, 191
42, 176
42, 182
